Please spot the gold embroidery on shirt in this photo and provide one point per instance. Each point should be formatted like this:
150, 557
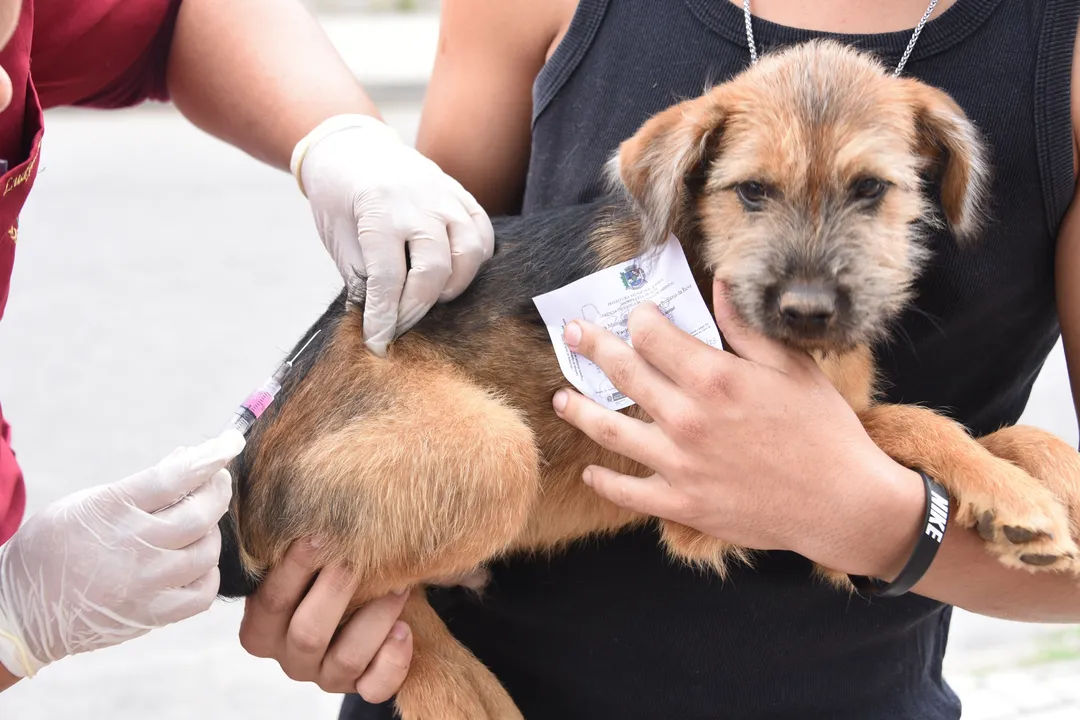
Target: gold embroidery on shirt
13, 233
17, 180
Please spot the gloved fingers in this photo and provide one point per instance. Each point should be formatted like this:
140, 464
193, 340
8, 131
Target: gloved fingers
429, 253
480, 220
467, 254
181, 603
180, 472
178, 568
340, 237
384, 256
472, 241
190, 519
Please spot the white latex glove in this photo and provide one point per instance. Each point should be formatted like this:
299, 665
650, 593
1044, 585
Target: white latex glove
371, 195
108, 564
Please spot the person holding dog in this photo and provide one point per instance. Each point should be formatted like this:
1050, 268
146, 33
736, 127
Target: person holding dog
111, 563
549, 90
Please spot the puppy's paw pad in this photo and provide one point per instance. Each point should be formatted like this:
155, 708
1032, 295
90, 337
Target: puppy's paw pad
1025, 528
985, 525
1042, 560
1019, 535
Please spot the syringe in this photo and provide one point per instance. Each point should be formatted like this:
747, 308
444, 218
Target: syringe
251, 409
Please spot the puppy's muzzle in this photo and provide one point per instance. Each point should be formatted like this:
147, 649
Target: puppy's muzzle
808, 308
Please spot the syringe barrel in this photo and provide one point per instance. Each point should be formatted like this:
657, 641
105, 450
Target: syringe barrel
256, 403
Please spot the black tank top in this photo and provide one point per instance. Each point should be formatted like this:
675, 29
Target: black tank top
613, 630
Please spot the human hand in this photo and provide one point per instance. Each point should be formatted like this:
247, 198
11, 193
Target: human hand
757, 449
110, 563
372, 195
298, 628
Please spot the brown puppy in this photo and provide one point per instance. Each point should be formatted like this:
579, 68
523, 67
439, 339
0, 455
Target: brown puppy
801, 184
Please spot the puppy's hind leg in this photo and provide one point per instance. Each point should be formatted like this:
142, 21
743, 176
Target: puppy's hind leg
420, 475
446, 681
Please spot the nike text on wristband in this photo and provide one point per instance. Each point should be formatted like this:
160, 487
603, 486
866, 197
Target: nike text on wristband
934, 523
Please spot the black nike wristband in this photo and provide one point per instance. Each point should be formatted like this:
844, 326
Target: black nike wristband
935, 520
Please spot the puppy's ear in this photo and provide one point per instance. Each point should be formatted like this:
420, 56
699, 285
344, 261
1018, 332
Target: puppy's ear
956, 148
653, 165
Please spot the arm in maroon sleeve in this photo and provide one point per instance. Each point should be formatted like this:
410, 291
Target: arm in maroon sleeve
259, 74
102, 53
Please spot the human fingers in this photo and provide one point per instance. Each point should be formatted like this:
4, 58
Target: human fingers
622, 365
189, 520
627, 436
429, 256
650, 495
180, 472
388, 670
179, 568
315, 621
686, 361
472, 242
358, 642
386, 271
467, 254
181, 603
268, 612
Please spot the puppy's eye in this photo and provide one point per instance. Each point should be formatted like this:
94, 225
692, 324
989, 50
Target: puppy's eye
752, 194
869, 189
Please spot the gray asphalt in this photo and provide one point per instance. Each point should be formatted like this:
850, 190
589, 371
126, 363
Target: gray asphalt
160, 275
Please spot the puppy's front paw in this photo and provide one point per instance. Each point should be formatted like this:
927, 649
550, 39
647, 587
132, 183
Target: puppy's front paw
1024, 525
1054, 463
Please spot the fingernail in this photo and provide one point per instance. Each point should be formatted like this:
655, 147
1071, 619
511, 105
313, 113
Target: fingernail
559, 401
400, 593
400, 632
572, 334
586, 477
314, 543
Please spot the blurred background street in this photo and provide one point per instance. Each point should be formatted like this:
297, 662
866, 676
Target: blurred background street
161, 275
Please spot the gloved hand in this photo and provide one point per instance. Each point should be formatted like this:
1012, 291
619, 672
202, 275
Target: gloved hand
108, 564
371, 195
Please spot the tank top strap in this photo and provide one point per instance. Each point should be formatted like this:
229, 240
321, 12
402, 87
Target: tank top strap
567, 56
1053, 108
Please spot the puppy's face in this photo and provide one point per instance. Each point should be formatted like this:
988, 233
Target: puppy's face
805, 177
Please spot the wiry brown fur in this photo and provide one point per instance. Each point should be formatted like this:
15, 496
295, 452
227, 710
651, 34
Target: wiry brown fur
421, 467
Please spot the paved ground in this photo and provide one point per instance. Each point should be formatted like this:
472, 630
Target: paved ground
146, 302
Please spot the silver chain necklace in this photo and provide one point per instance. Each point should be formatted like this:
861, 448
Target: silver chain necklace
899, 67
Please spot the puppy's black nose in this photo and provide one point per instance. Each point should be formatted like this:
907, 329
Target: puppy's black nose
807, 305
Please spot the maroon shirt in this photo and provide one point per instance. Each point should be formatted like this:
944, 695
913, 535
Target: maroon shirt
90, 53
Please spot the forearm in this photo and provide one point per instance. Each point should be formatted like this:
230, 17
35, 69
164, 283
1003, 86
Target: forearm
967, 576
1067, 272
476, 123
259, 74
6, 679
963, 573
